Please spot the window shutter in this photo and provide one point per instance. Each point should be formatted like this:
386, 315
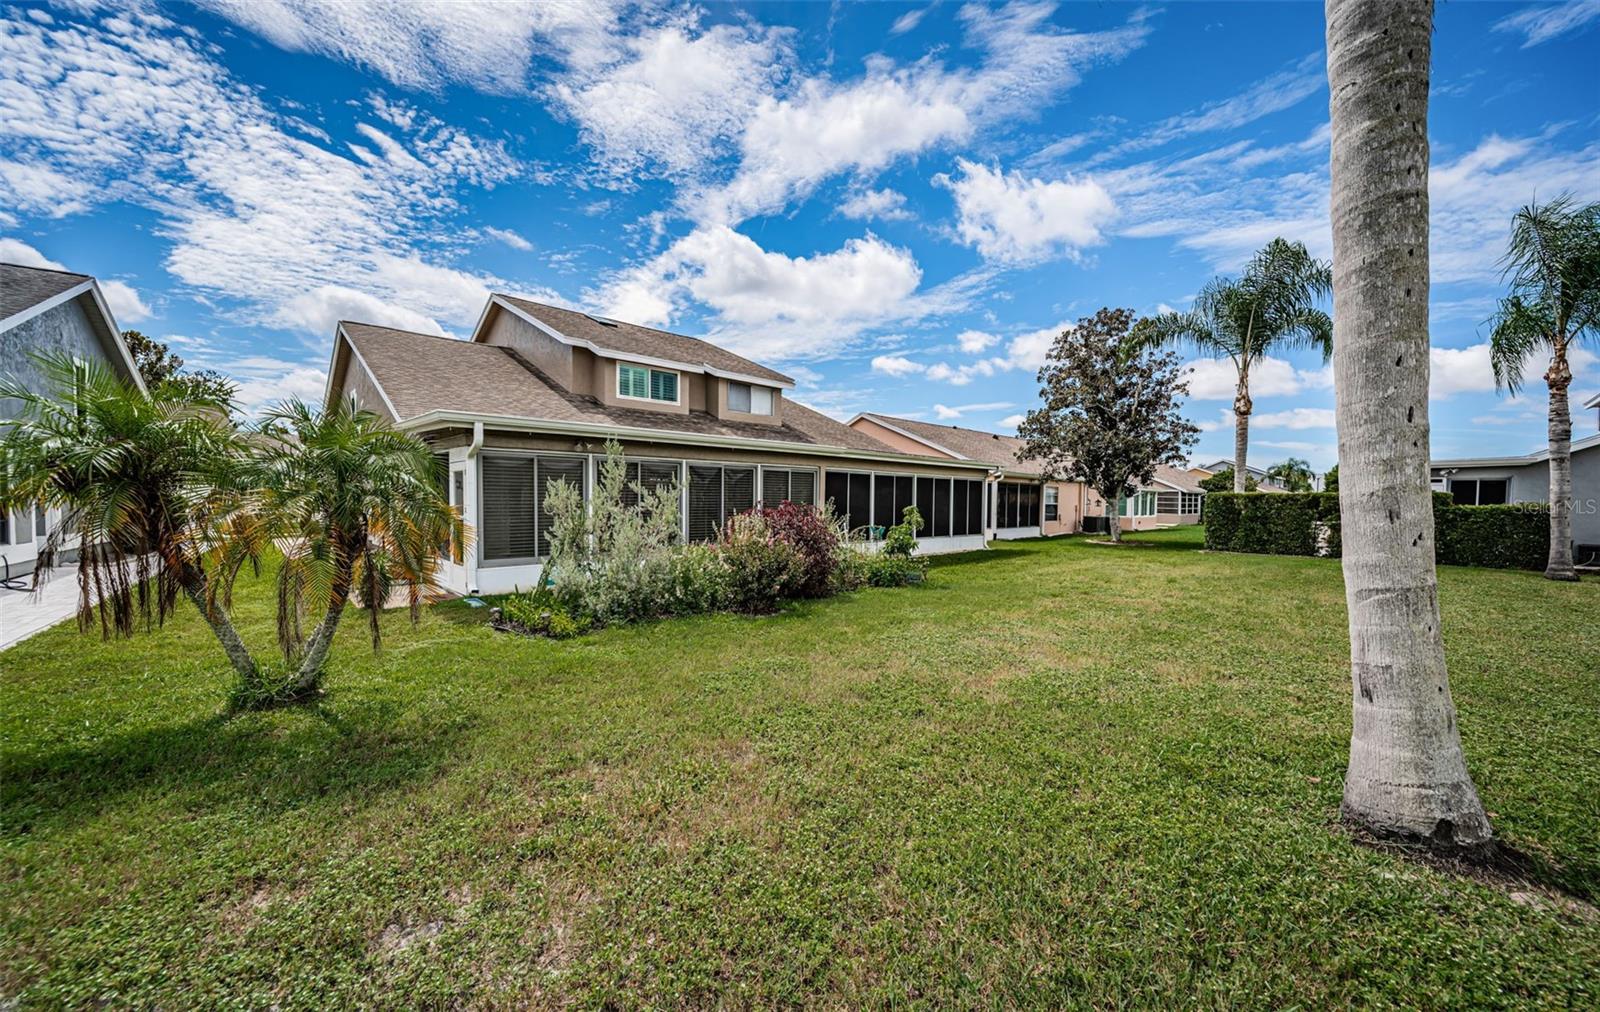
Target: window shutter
508, 523
552, 470
663, 385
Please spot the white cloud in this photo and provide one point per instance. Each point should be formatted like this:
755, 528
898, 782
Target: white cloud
772, 304
254, 211
675, 99
1459, 370
124, 302
318, 310
1012, 421
948, 413
883, 205
1015, 220
975, 342
1294, 418
1541, 24
1215, 379
509, 237
39, 189
261, 381
909, 20
896, 365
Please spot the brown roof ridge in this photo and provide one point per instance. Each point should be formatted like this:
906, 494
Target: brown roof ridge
401, 330
48, 270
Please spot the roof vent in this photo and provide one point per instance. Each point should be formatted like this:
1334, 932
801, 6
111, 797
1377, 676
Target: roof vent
601, 320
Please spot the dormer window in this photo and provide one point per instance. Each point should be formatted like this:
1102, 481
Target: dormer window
642, 384
749, 398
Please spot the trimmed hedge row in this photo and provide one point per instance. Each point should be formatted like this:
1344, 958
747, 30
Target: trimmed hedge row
1307, 523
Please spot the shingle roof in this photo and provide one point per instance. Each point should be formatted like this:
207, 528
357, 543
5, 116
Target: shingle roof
973, 444
23, 287
1178, 478
421, 373
630, 338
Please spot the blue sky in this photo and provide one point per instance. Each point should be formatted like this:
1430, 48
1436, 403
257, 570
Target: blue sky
898, 204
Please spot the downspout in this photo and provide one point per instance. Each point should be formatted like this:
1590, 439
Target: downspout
474, 490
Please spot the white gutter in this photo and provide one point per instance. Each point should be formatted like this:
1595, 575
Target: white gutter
440, 418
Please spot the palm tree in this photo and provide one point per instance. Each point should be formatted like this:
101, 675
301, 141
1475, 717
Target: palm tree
1271, 306
1553, 264
147, 493
1407, 775
357, 508
1293, 474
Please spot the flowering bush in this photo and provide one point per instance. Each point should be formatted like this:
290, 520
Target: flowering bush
697, 581
817, 535
762, 569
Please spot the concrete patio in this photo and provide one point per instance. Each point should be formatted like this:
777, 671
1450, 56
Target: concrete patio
26, 612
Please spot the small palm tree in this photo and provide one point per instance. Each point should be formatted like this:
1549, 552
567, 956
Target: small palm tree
1553, 264
1271, 306
357, 509
147, 490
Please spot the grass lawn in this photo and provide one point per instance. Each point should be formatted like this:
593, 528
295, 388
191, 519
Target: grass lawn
1058, 774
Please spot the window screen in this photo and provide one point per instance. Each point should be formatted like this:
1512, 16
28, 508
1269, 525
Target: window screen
860, 500
739, 397
509, 527
551, 471
803, 487
975, 522
774, 486
941, 507
738, 490
705, 501
925, 506
883, 514
836, 490
1492, 492
905, 494
1168, 502
663, 385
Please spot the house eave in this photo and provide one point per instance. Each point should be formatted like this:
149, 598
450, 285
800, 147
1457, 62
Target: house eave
513, 423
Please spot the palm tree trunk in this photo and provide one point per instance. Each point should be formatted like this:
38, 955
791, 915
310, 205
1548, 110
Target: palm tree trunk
1407, 775
1242, 406
1559, 566
195, 586
317, 646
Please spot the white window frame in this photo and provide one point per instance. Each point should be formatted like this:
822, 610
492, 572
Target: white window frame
649, 371
1052, 504
816, 482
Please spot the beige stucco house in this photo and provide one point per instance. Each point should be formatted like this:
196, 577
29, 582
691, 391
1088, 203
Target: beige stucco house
1027, 504
537, 391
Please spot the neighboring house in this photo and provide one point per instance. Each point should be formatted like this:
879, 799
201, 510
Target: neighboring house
537, 391
1491, 481
1173, 496
1264, 483
1023, 503
49, 313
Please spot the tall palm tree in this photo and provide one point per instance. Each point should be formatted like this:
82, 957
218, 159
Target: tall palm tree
1271, 306
1553, 264
1407, 775
357, 509
146, 486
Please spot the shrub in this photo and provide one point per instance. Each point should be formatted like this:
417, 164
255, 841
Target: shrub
1307, 523
609, 559
539, 613
884, 570
852, 571
1499, 537
816, 535
697, 581
762, 569
901, 539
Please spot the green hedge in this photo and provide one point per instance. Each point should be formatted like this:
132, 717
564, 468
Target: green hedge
1292, 523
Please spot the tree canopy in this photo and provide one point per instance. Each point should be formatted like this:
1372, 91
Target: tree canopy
1110, 411
159, 365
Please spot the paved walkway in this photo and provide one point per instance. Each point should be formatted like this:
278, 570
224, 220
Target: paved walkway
23, 612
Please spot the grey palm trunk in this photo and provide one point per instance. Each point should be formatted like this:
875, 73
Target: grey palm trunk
1407, 775
1559, 378
1242, 406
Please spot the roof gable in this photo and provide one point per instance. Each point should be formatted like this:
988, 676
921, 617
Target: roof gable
26, 292
618, 339
966, 444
